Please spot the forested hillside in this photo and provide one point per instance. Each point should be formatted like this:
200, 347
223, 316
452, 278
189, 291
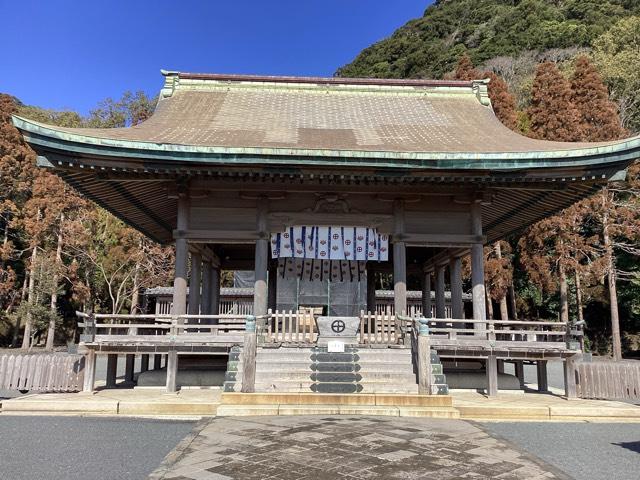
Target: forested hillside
510, 37
560, 70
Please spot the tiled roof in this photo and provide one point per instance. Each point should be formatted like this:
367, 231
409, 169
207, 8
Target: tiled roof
289, 115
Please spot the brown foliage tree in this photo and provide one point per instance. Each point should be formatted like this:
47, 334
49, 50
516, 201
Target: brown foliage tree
598, 115
552, 113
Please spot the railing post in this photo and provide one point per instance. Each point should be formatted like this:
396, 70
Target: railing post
249, 356
89, 332
424, 358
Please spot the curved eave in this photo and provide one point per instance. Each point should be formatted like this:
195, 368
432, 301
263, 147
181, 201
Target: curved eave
50, 138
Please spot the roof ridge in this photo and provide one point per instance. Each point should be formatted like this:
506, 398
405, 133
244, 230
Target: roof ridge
415, 82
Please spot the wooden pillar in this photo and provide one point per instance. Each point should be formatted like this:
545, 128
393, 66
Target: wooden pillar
144, 363
519, 366
492, 376
261, 260
89, 371
172, 371
215, 291
399, 260
371, 290
112, 370
130, 361
157, 361
179, 283
180, 279
543, 382
477, 267
194, 285
272, 286
570, 377
455, 272
205, 301
426, 295
440, 300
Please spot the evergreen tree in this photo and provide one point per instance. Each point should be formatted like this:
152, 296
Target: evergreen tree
552, 112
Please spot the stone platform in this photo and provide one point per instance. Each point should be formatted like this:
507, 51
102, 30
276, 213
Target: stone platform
202, 403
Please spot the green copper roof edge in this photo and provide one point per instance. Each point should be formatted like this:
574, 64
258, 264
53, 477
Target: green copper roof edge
49, 137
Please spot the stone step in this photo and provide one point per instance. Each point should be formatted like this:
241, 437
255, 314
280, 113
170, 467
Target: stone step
338, 376
275, 409
318, 399
383, 367
333, 357
345, 388
362, 352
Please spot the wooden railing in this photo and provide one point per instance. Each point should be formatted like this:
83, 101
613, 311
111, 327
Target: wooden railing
105, 328
504, 332
287, 328
380, 329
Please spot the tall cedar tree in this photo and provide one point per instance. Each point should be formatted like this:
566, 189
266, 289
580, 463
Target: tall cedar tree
615, 208
598, 115
552, 112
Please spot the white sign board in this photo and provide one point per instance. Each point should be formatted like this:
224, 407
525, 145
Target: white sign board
335, 346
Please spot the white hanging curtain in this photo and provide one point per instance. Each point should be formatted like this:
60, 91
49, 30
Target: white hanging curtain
330, 243
322, 270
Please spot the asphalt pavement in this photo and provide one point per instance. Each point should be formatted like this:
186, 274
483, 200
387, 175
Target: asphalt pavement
77, 448
585, 451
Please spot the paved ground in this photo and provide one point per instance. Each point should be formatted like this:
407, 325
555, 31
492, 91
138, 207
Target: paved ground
585, 451
76, 448
318, 448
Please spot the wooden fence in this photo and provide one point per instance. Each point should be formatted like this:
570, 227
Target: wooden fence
608, 380
52, 372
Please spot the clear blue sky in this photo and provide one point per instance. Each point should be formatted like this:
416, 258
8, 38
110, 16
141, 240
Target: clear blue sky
73, 53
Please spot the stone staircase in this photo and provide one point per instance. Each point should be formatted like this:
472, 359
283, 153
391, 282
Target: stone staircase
314, 369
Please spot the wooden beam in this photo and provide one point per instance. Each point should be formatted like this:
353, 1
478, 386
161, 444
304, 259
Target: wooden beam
441, 239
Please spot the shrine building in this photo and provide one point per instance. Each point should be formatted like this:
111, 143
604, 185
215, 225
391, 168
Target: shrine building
324, 185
